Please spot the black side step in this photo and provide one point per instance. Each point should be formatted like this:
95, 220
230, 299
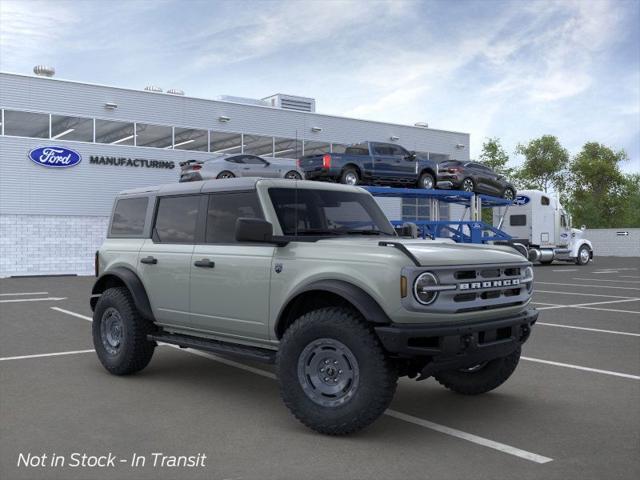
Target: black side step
216, 346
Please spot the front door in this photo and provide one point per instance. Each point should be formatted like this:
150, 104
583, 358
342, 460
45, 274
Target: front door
257, 167
165, 259
229, 280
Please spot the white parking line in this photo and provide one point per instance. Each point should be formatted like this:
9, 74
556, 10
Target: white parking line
50, 299
73, 314
566, 270
469, 437
533, 457
602, 280
579, 367
40, 355
22, 293
587, 305
587, 286
611, 310
598, 330
629, 276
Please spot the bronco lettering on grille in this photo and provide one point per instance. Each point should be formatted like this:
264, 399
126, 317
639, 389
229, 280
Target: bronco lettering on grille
489, 284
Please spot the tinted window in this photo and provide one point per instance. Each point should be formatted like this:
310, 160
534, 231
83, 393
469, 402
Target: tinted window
71, 128
357, 149
26, 124
252, 160
518, 220
116, 133
239, 159
383, 150
128, 216
176, 219
326, 212
224, 209
544, 200
398, 151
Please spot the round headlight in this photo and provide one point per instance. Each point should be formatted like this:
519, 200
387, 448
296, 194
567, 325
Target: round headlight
422, 288
528, 276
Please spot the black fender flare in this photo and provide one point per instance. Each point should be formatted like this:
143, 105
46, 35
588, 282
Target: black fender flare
361, 300
133, 284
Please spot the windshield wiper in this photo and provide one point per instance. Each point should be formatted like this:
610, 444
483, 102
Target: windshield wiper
365, 232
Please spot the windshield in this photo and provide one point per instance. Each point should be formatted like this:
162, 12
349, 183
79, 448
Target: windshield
328, 212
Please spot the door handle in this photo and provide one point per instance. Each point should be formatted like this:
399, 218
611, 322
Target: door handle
246, 168
149, 260
205, 263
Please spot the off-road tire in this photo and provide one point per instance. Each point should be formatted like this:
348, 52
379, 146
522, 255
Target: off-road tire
377, 374
423, 178
346, 173
135, 351
225, 174
489, 377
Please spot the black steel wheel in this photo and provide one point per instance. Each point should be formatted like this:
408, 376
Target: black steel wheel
334, 375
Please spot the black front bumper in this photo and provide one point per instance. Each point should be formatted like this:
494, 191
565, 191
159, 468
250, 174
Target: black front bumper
450, 347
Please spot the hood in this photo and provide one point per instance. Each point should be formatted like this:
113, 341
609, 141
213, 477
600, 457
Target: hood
440, 251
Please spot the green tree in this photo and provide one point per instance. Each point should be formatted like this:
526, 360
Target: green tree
494, 156
544, 165
600, 195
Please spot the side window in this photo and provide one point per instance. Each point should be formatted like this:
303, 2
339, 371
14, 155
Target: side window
238, 159
563, 221
128, 217
518, 220
223, 211
253, 160
544, 200
176, 219
398, 151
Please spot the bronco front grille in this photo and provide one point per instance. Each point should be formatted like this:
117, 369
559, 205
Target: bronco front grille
466, 289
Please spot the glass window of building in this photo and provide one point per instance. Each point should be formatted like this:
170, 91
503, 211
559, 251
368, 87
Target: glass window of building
157, 136
316, 148
438, 157
191, 139
26, 124
225, 142
258, 145
287, 148
71, 128
115, 133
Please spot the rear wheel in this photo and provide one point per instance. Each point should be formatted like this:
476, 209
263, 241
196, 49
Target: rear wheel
225, 174
349, 177
293, 175
426, 181
468, 185
333, 374
120, 333
480, 378
584, 255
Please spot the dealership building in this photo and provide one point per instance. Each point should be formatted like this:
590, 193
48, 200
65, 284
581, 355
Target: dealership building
53, 219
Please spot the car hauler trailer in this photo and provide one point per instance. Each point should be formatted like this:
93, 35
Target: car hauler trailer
534, 224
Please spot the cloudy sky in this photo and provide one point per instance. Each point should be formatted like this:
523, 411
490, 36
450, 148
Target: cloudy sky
512, 69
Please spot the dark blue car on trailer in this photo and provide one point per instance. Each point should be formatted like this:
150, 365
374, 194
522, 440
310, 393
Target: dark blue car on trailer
372, 163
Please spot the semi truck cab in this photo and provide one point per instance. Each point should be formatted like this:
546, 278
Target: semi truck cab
540, 223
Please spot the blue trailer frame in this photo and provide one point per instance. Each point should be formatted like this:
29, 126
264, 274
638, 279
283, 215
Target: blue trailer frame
461, 231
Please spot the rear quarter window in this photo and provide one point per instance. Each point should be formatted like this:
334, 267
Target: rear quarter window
128, 217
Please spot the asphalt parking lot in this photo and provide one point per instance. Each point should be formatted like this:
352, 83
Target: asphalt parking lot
571, 410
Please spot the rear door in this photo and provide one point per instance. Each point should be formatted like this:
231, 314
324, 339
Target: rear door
165, 259
230, 280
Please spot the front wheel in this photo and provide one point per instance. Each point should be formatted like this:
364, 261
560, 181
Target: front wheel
333, 373
509, 194
468, 185
584, 255
480, 378
120, 333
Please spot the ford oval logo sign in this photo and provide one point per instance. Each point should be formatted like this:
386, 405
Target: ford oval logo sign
521, 200
55, 157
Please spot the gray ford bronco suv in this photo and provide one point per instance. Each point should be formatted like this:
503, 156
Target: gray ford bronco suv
312, 277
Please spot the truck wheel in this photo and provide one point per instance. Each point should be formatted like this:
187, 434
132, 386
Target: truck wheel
225, 174
333, 374
349, 177
426, 181
480, 378
584, 255
120, 333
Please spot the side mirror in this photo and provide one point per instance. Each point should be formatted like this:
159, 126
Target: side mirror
408, 229
253, 230
583, 227
411, 156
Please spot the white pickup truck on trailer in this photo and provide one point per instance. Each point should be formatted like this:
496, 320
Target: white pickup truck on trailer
538, 222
